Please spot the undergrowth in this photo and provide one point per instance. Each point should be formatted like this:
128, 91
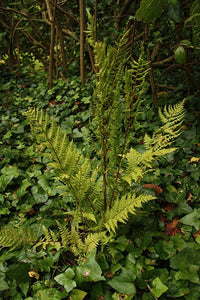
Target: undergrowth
155, 255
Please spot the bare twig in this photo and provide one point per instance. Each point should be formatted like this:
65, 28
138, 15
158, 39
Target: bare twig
153, 86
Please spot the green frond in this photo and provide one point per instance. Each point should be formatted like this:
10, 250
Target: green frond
79, 216
172, 114
49, 239
90, 29
92, 241
163, 152
16, 237
65, 156
172, 117
70, 166
122, 207
76, 242
64, 234
157, 145
137, 164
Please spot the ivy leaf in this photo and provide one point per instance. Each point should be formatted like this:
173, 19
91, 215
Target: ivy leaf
177, 289
3, 284
89, 270
193, 219
158, 287
77, 294
24, 286
19, 272
150, 10
184, 258
124, 283
39, 194
4, 181
147, 297
66, 279
191, 274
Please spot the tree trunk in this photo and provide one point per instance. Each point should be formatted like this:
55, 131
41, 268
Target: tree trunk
82, 41
62, 48
51, 13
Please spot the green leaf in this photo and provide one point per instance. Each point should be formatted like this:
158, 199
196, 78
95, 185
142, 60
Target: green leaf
66, 279
48, 293
96, 290
192, 219
194, 293
4, 211
177, 289
4, 181
187, 256
24, 286
165, 249
7, 135
180, 55
150, 10
22, 190
3, 284
174, 11
147, 296
191, 274
89, 270
158, 287
19, 272
39, 194
124, 283
43, 182
77, 294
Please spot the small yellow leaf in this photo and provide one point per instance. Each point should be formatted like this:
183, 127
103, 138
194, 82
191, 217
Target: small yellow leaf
162, 93
194, 159
184, 127
33, 274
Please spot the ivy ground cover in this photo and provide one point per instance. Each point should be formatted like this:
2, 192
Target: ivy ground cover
155, 256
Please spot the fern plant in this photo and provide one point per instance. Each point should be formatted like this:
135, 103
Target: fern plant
104, 189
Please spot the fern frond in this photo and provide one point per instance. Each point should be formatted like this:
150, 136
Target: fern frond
78, 216
70, 166
157, 145
122, 207
172, 117
16, 237
92, 241
172, 114
65, 156
49, 240
137, 164
76, 242
90, 29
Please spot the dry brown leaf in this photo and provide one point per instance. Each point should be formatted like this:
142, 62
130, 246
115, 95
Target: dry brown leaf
196, 234
157, 189
189, 198
171, 228
109, 275
169, 207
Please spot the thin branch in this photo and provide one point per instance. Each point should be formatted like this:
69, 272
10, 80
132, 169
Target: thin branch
162, 62
153, 87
